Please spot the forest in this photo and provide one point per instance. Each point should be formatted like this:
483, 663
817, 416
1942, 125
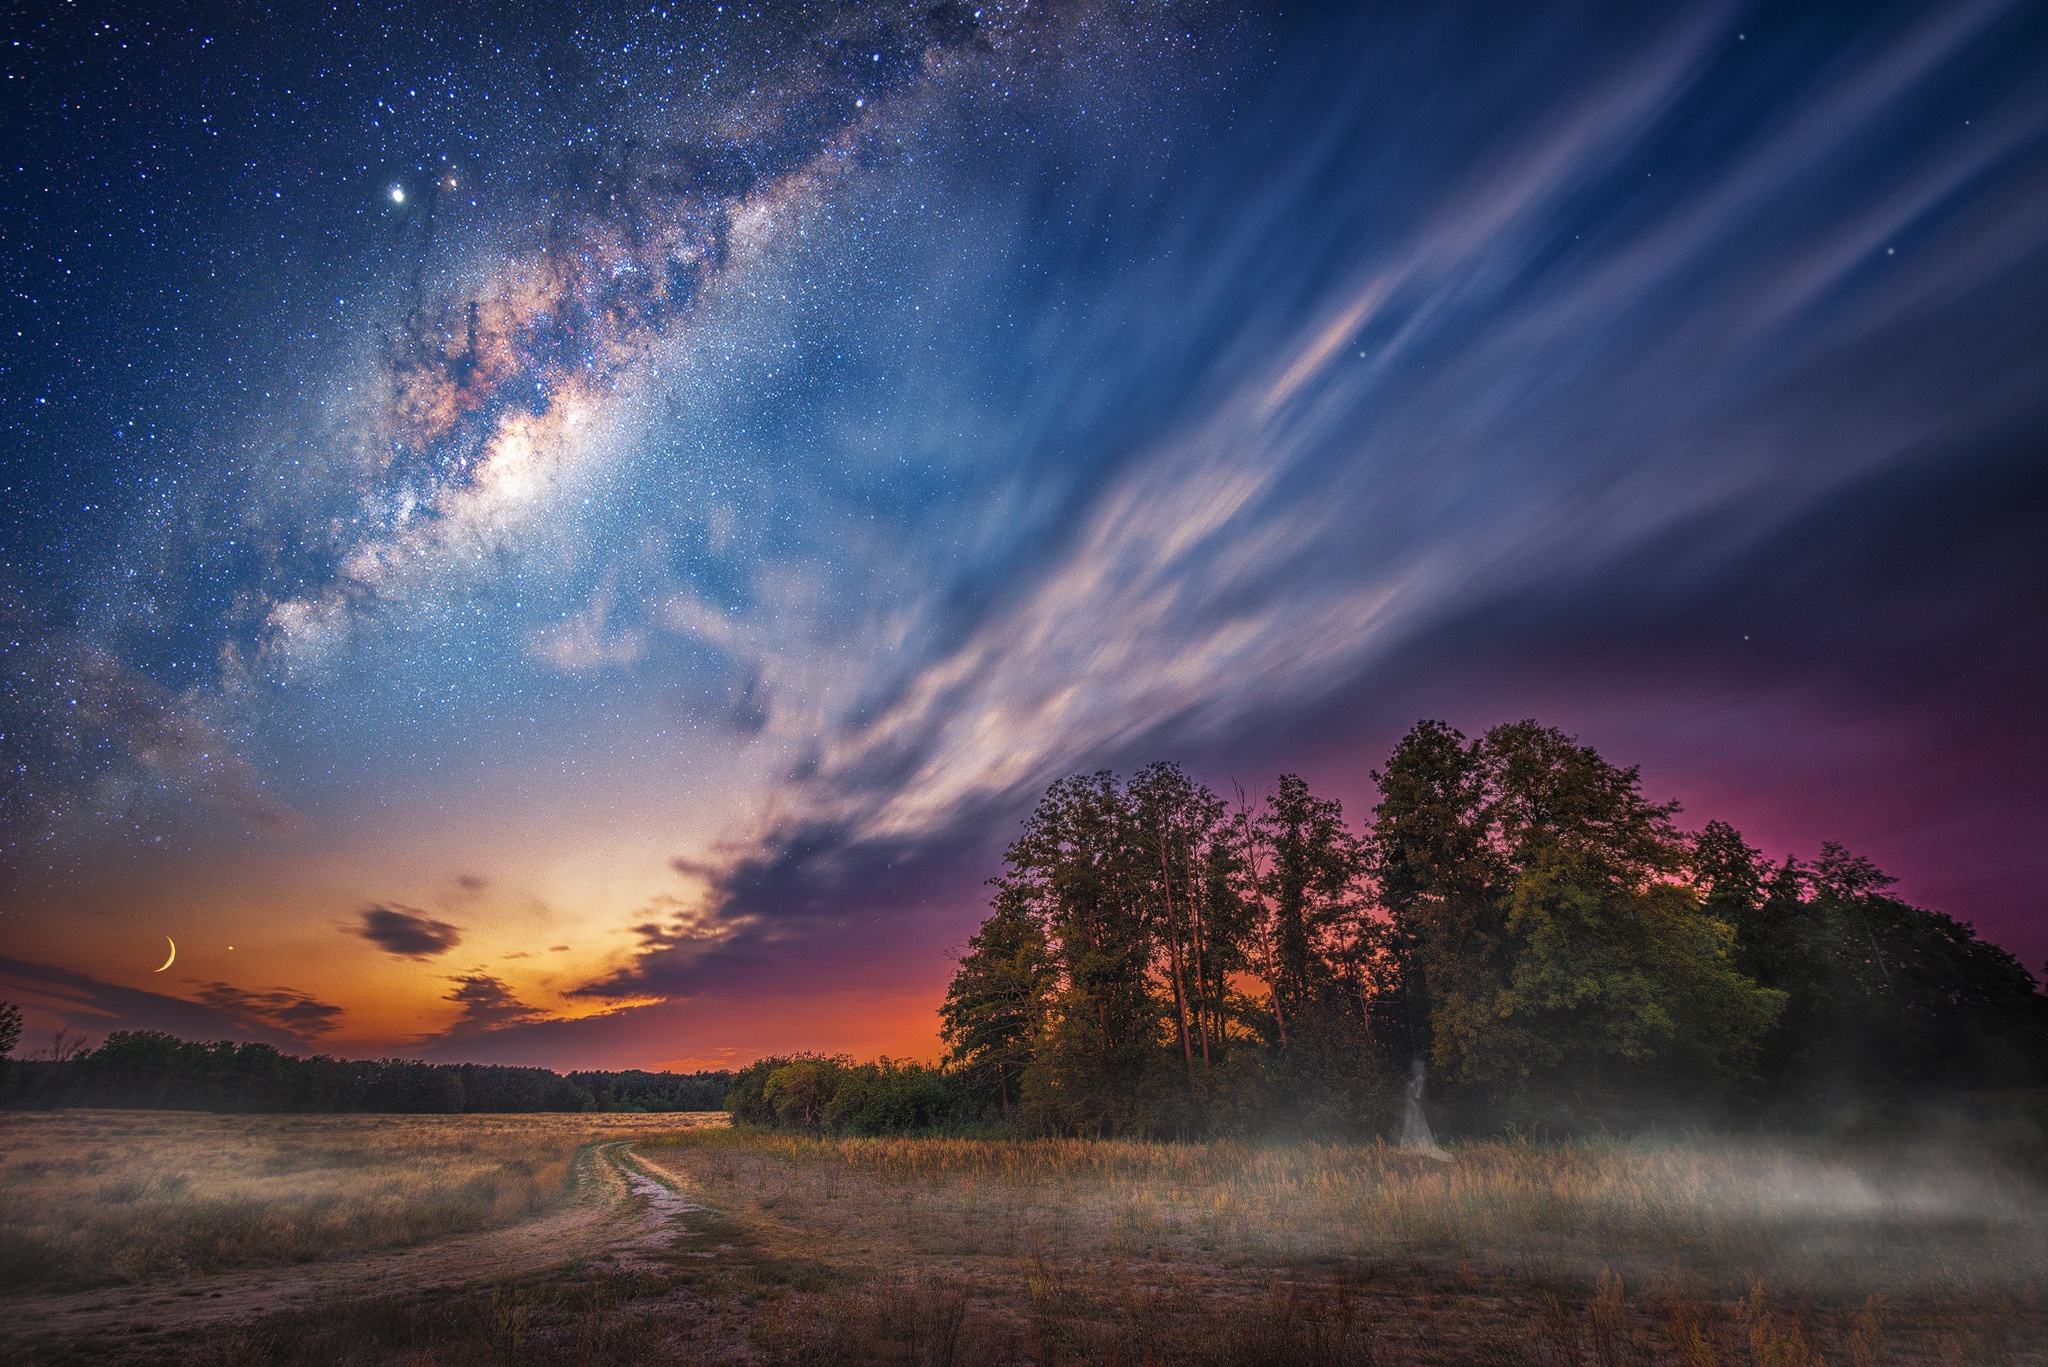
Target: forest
149, 1070
1564, 957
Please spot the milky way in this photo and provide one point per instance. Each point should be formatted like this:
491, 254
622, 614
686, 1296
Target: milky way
575, 539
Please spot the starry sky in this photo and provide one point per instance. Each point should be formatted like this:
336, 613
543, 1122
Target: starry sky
573, 535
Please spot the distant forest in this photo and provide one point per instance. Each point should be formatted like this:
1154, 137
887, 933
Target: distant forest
1158, 960
146, 1070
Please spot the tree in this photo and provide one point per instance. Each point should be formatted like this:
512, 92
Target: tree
1080, 873
1437, 874
996, 1006
1178, 826
10, 1035
1884, 1000
800, 1089
1318, 912
1567, 970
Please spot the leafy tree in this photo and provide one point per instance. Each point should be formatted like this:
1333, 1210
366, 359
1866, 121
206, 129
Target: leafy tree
1884, 1000
1318, 910
1079, 872
997, 1004
1437, 874
888, 1098
801, 1088
1569, 970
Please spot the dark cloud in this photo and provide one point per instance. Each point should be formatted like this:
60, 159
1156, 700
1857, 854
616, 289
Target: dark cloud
408, 933
296, 1014
487, 1005
809, 908
81, 1002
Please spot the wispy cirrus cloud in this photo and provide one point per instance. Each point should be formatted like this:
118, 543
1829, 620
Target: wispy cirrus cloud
1595, 339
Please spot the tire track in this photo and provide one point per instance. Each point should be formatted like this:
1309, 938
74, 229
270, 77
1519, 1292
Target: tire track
619, 1213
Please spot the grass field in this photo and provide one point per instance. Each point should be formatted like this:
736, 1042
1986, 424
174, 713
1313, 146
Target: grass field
935, 1252
95, 1198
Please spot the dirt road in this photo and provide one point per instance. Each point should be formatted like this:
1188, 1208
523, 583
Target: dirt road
619, 1216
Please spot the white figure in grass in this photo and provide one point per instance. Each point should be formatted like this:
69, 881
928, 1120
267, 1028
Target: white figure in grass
1415, 1135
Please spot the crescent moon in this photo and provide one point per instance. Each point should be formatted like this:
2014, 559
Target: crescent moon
174, 953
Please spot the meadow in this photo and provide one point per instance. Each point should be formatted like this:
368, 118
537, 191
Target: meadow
105, 1198
733, 1246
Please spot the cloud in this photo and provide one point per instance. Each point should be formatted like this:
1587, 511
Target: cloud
810, 908
487, 1005
297, 1014
1382, 465
407, 933
1470, 407
62, 997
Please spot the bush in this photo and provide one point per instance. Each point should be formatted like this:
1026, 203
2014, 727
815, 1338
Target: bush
817, 1093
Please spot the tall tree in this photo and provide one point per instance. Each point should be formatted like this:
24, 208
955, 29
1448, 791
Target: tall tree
996, 1006
1884, 1000
1078, 869
1313, 882
10, 1035
1569, 965
1176, 820
1438, 877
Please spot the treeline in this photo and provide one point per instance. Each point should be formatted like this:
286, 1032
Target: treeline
148, 1070
1564, 957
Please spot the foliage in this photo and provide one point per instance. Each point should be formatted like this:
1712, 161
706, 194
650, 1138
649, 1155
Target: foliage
1885, 1000
1518, 913
634, 1091
1567, 973
1157, 962
832, 1094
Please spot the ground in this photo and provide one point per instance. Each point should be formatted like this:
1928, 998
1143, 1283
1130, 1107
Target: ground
130, 1236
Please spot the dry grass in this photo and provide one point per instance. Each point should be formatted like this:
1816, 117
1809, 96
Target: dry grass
939, 1253
1813, 1217
1701, 1253
92, 1198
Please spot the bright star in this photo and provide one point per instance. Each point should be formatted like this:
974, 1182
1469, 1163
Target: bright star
398, 194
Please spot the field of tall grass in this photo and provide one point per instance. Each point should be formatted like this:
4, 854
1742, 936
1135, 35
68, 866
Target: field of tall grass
1818, 1216
1701, 1251
91, 1198
814, 1252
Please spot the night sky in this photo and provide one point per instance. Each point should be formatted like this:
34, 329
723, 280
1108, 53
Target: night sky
574, 537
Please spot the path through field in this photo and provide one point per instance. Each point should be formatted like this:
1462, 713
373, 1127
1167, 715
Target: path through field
619, 1217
